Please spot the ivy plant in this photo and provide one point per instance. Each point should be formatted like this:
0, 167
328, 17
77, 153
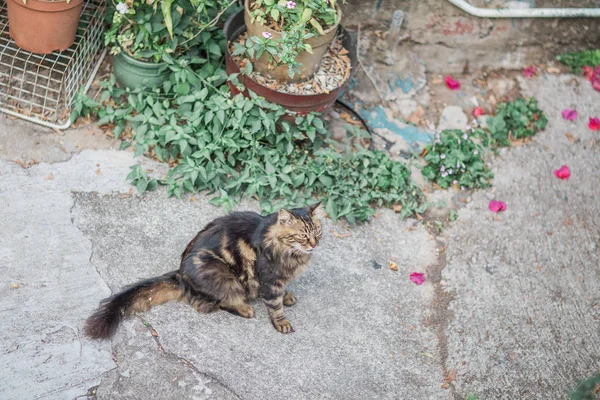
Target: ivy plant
148, 29
577, 60
236, 147
455, 159
297, 21
519, 119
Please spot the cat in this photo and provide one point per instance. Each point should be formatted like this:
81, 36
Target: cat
234, 259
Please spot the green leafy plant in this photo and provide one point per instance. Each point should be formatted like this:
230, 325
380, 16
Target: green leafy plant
577, 60
297, 21
587, 389
454, 159
453, 216
519, 119
244, 147
148, 29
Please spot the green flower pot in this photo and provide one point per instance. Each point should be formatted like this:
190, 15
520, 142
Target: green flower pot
131, 73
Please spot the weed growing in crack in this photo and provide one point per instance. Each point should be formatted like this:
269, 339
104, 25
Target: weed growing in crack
455, 159
516, 120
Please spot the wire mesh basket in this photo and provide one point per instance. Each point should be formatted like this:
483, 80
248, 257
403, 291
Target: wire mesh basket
41, 88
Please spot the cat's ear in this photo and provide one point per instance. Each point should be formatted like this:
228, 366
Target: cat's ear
284, 217
317, 210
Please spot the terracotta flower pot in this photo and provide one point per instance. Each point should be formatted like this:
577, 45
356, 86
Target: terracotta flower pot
301, 104
310, 62
43, 26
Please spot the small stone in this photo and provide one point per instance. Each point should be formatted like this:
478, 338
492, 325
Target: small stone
482, 121
501, 87
453, 117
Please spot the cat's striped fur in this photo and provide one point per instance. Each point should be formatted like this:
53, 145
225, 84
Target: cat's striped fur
232, 260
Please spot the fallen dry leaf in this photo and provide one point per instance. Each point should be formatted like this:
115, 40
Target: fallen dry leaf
568, 222
393, 266
570, 137
341, 235
153, 332
348, 118
15, 286
98, 172
416, 116
553, 70
450, 376
419, 216
397, 207
49, 177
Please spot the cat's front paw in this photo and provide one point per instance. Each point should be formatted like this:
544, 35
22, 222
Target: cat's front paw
289, 299
283, 326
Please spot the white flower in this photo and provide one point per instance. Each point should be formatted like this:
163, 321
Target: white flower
444, 174
443, 168
291, 5
450, 171
442, 156
465, 136
122, 8
454, 182
267, 35
475, 152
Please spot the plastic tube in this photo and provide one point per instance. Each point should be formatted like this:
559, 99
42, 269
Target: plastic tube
526, 12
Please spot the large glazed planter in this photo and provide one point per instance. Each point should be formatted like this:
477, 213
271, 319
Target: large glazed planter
131, 73
302, 104
310, 62
43, 26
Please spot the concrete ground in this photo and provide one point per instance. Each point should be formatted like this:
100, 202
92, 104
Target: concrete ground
510, 308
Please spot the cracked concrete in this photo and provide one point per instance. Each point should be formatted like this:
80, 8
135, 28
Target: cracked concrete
509, 309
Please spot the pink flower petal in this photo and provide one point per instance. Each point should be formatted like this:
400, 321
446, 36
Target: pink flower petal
563, 172
587, 73
594, 124
452, 84
529, 71
569, 115
497, 206
478, 111
417, 278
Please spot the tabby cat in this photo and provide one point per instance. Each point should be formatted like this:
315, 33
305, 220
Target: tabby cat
234, 259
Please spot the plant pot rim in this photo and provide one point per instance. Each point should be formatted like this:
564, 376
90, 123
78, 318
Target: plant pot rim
325, 32
292, 98
140, 63
43, 5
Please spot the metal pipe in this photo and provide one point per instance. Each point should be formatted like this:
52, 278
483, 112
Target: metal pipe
526, 12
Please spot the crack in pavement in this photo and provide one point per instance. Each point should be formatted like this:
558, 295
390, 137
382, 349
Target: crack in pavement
155, 336
440, 316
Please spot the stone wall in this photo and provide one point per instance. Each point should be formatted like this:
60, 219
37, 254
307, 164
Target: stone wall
448, 39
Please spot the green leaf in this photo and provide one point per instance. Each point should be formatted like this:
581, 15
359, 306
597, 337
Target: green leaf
317, 26
166, 12
142, 184
275, 14
306, 15
325, 180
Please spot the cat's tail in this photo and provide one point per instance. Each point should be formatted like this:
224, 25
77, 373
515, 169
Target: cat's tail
135, 298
